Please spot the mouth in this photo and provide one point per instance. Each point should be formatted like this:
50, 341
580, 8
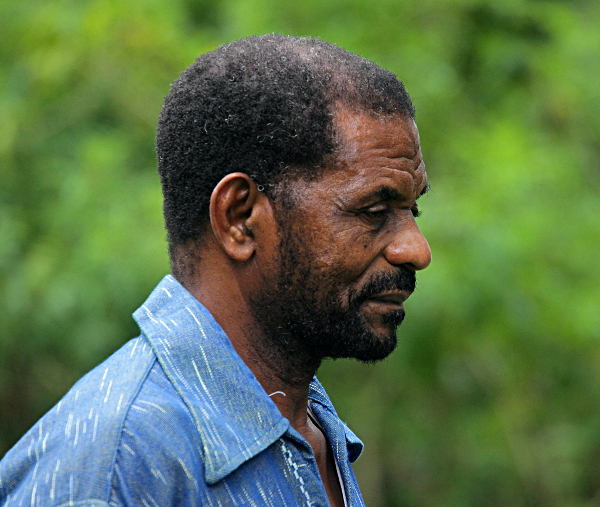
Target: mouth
392, 298
385, 310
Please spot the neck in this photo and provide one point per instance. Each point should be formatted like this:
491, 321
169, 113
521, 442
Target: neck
281, 367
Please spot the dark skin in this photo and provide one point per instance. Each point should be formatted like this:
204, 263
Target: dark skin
360, 216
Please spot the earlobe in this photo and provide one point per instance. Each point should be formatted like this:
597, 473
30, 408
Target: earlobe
231, 205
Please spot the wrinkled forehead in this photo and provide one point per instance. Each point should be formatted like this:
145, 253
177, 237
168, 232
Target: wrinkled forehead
360, 132
367, 141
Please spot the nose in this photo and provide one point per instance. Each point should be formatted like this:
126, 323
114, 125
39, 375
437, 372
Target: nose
409, 247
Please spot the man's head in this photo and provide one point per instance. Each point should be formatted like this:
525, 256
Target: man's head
263, 106
301, 162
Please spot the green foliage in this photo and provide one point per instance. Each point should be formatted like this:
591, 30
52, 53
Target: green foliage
493, 397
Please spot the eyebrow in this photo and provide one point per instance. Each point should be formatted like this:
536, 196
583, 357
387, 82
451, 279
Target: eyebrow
386, 193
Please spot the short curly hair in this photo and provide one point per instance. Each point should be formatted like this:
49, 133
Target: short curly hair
262, 106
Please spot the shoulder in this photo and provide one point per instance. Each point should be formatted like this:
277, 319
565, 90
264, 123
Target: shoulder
75, 451
160, 457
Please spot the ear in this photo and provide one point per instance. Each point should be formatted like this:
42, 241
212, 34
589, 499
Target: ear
231, 204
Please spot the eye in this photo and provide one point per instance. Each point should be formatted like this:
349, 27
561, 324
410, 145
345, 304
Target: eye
375, 215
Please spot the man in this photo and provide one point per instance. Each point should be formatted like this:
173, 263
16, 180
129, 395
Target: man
291, 171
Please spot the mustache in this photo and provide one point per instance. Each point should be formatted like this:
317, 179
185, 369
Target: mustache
403, 279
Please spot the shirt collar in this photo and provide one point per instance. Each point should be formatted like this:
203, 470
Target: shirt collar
317, 394
234, 416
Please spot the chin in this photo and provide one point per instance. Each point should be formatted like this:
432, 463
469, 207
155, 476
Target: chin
383, 328
375, 354
365, 344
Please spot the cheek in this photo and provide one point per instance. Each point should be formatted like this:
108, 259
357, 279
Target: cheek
344, 261
337, 247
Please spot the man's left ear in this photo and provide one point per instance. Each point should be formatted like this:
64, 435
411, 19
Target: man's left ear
232, 204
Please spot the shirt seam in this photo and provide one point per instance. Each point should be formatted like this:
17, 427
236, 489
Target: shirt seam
143, 378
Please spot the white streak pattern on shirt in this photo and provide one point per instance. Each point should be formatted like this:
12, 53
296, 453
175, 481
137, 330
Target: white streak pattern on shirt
158, 407
294, 467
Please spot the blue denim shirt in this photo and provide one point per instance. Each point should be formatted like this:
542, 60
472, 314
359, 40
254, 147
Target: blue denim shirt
174, 418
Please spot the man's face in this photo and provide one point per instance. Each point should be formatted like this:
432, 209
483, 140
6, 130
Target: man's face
349, 246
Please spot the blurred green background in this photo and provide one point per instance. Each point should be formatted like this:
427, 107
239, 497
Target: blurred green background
493, 397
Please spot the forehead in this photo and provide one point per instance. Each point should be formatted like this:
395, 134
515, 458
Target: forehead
357, 131
376, 150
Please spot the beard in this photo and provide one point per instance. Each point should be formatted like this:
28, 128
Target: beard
307, 313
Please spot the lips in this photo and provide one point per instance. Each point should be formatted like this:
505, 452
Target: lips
389, 288
396, 298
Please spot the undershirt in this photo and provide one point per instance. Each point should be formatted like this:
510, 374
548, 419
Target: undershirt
337, 469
